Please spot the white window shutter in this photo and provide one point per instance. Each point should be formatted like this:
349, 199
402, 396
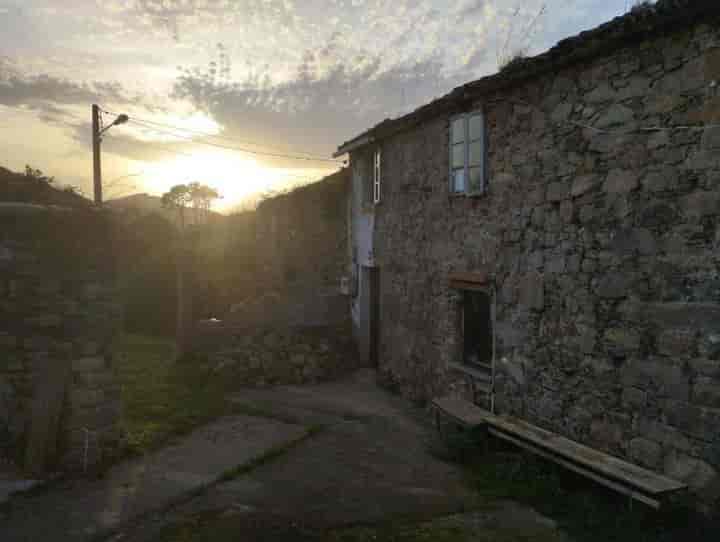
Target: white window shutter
377, 176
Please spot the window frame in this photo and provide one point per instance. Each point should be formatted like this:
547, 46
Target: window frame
466, 144
377, 175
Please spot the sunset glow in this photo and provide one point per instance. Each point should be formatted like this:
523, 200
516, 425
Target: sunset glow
301, 77
234, 176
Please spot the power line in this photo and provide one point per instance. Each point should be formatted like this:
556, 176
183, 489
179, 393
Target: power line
150, 125
236, 149
181, 153
204, 134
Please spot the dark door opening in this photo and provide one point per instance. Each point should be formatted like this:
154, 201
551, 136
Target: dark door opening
477, 328
370, 315
374, 317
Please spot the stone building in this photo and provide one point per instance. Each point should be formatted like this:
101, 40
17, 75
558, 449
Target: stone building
556, 225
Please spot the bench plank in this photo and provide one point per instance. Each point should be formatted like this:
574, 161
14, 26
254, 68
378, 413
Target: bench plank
463, 411
633, 475
561, 449
577, 468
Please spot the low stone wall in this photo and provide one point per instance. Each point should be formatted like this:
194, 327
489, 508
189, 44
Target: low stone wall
59, 401
264, 356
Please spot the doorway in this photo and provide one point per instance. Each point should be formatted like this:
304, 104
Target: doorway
370, 315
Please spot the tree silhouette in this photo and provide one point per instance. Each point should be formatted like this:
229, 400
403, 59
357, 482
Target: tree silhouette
180, 197
194, 195
37, 175
202, 197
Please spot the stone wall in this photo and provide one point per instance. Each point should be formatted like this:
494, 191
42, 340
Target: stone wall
602, 242
265, 356
299, 256
58, 316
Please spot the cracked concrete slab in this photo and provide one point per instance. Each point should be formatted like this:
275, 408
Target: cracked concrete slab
87, 508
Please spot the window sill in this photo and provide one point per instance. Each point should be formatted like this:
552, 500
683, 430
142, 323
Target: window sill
468, 194
479, 371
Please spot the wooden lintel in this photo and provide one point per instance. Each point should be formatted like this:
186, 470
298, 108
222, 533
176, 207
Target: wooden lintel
459, 285
475, 278
469, 281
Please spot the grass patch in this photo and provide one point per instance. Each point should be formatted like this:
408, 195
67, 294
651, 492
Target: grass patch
457, 528
403, 532
164, 398
271, 455
583, 509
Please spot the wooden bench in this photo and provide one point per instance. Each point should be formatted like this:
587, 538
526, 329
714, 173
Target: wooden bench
636, 482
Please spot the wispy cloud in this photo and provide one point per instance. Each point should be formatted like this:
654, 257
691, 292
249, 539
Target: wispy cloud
300, 75
321, 104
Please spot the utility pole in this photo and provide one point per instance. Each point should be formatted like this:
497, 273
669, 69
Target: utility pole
97, 168
97, 132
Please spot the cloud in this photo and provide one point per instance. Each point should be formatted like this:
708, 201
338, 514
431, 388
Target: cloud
321, 105
56, 100
175, 16
41, 89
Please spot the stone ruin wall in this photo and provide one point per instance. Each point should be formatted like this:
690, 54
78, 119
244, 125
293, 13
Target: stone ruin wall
603, 246
59, 313
293, 326
299, 254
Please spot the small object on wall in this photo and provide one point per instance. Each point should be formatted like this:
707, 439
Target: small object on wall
345, 285
349, 285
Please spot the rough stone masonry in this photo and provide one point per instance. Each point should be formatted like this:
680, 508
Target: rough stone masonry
59, 313
602, 242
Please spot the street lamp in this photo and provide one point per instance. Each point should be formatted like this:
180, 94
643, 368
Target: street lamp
97, 131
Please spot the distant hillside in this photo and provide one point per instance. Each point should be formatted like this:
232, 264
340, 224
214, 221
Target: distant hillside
136, 203
36, 189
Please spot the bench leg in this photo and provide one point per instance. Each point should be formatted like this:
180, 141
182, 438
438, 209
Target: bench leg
438, 424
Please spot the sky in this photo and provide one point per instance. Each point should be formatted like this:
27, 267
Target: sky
279, 82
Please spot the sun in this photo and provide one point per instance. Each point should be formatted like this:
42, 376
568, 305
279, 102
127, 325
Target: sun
235, 177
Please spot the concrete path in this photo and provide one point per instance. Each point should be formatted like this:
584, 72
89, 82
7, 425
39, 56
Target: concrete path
85, 509
369, 464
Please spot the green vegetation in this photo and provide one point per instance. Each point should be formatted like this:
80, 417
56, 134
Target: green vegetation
271, 455
162, 398
458, 528
583, 509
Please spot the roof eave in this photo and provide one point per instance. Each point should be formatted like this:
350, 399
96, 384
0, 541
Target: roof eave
353, 145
